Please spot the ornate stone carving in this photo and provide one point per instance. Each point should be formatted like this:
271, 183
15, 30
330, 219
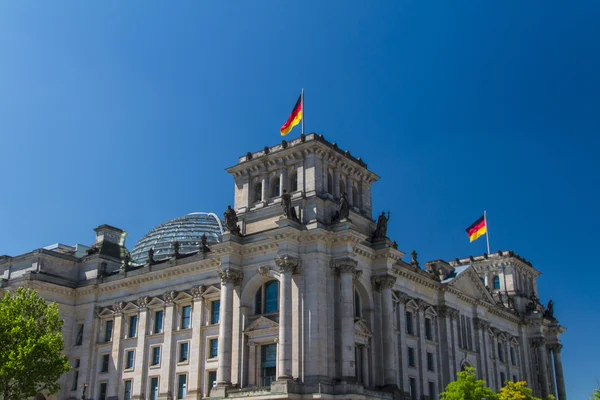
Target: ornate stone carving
169, 297
356, 274
381, 229
203, 247
413, 256
382, 282
344, 265
481, 324
230, 276
422, 304
447, 311
142, 302
231, 221
403, 297
537, 342
197, 291
151, 256
287, 264
264, 270
118, 307
344, 208
288, 210
555, 347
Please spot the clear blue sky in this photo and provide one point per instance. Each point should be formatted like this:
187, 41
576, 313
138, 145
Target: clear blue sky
127, 113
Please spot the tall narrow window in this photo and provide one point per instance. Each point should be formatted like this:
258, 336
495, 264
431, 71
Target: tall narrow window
127, 390
158, 321
513, 359
411, 357
428, 329
108, 326
212, 378
105, 362
268, 364
412, 383
355, 199
215, 309
500, 353
432, 390
342, 186
186, 313
409, 323
275, 187
502, 378
330, 184
132, 326
214, 348
102, 390
181, 386
75, 381
357, 306
496, 282
469, 335
155, 356
154, 388
129, 359
79, 336
430, 363
267, 298
183, 351
294, 182
257, 192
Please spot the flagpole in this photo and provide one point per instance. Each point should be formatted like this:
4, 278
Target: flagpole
487, 231
303, 111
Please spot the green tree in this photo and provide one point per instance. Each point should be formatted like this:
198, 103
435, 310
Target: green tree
468, 387
516, 391
595, 394
31, 344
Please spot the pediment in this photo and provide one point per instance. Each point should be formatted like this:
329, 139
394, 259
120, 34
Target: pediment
130, 307
469, 283
182, 297
431, 311
211, 290
156, 302
262, 324
106, 312
514, 342
361, 329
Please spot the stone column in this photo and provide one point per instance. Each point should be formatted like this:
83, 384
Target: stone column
195, 378
558, 370
336, 182
385, 284
287, 266
115, 368
365, 366
283, 177
481, 327
229, 278
402, 357
264, 194
540, 346
346, 268
349, 190
326, 175
421, 346
252, 364
140, 354
166, 384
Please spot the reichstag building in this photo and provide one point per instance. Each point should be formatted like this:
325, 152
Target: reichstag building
295, 292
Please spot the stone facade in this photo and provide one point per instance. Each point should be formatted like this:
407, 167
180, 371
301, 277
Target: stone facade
307, 309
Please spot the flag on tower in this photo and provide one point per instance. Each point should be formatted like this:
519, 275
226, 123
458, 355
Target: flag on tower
477, 229
294, 118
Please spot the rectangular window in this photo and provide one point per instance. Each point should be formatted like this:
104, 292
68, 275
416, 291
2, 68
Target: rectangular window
428, 329
102, 391
183, 351
432, 390
181, 386
412, 383
409, 323
108, 326
212, 378
158, 322
463, 332
500, 354
105, 360
513, 359
502, 379
154, 388
430, 363
129, 359
75, 382
215, 309
469, 335
127, 392
411, 357
214, 348
186, 316
514, 378
79, 336
155, 356
132, 326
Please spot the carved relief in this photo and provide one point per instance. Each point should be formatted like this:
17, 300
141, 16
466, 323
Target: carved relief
197, 291
287, 264
381, 282
118, 307
230, 276
169, 297
555, 347
537, 342
143, 301
264, 271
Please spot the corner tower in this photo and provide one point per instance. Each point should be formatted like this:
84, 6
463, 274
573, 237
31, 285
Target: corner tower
314, 172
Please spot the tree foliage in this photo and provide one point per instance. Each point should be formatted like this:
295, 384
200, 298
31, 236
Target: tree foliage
595, 394
468, 387
516, 391
31, 344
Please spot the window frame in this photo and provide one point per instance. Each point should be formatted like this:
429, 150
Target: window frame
180, 345
429, 332
100, 386
156, 331
150, 391
183, 317
430, 361
151, 363
125, 382
79, 334
212, 312
108, 336
183, 395
261, 297
410, 356
126, 359
75, 380
209, 352
409, 317
132, 322
105, 360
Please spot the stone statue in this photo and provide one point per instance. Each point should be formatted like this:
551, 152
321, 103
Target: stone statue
203, 243
381, 230
151, 256
288, 210
126, 261
231, 221
176, 247
344, 208
549, 313
83, 391
414, 258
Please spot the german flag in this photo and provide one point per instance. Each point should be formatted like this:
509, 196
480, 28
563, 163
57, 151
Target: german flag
477, 229
294, 118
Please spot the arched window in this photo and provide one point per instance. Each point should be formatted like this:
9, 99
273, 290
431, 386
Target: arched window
329, 183
257, 191
276, 187
294, 182
267, 298
496, 282
357, 305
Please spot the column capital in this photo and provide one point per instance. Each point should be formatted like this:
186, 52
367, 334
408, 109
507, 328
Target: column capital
538, 342
384, 281
118, 308
197, 291
142, 302
230, 276
169, 297
481, 324
422, 304
447, 311
555, 347
403, 297
287, 264
344, 265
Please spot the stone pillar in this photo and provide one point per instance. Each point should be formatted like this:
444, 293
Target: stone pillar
336, 182
140, 354
421, 345
326, 175
365, 366
481, 337
166, 384
385, 284
540, 346
287, 266
229, 278
349, 190
558, 370
252, 360
115, 369
402, 357
195, 378
283, 180
264, 195
347, 268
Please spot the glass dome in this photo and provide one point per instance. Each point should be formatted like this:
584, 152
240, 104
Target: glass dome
186, 230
